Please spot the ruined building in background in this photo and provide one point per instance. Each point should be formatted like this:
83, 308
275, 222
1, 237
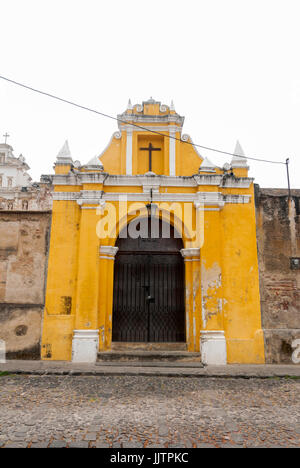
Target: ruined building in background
232, 296
17, 192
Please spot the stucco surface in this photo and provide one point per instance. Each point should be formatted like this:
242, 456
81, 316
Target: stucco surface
278, 237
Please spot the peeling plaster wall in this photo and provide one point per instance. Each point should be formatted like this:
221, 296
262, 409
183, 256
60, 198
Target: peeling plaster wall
24, 239
278, 238
211, 282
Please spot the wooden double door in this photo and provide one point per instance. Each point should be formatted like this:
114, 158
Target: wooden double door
149, 301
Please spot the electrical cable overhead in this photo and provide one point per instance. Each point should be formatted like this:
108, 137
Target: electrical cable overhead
66, 101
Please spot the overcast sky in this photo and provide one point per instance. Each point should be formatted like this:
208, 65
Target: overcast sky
231, 66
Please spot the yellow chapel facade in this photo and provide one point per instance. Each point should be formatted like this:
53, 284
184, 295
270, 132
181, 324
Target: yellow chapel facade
152, 244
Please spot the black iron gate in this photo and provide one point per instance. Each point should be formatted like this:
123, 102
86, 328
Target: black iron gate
149, 294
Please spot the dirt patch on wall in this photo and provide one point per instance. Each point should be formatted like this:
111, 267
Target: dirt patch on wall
20, 328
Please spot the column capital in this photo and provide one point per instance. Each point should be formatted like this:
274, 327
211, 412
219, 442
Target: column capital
108, 252
190, 253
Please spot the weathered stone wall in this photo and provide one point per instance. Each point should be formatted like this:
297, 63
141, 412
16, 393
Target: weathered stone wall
278, 238
24, 244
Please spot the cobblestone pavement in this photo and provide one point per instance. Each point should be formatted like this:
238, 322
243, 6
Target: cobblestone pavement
129, 411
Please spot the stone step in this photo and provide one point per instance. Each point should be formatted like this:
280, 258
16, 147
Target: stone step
131, 346
151, 364
149, 356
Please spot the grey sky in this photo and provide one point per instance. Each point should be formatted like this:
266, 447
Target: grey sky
232, 68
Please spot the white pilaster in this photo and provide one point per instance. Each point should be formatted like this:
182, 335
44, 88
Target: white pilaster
213, 347
172, 152
129, 152
85, 345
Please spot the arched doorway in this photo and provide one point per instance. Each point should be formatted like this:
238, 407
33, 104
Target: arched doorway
148, 302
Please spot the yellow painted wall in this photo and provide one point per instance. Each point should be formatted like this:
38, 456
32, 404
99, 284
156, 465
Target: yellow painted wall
60, 306
242, 317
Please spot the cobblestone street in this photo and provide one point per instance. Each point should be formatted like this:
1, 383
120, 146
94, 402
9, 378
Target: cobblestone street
129, 411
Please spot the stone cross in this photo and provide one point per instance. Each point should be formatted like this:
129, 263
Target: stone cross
6, 136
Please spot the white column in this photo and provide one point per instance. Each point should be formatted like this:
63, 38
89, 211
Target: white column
85, 345
129, 152
213, 347
172, 152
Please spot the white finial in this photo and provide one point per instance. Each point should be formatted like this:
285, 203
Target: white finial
65, 151
207, 166
95, 162
172, 107
239, 159
64, 156
239, 150
129, 105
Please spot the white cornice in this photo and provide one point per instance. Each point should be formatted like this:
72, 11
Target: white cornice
66, 196
218, 180
66, 179
237, 182
208, 179
191, 252
204, 198
160, 128
107, 250
237, 198
146, 119
79, 178
144, 180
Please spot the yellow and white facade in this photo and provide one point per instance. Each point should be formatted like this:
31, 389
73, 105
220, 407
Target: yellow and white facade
211, 207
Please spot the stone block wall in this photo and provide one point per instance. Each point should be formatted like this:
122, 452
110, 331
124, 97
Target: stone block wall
278, 241
24, 245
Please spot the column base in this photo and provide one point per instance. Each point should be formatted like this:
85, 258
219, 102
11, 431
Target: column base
213, 348
85, 345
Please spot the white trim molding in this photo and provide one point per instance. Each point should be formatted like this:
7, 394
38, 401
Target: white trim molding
206, 199
190, 252
85, 345
213, 347
237, 198
172, 152
91, 177
237, 182
66, 196
129, 151
159, 180
108, 252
